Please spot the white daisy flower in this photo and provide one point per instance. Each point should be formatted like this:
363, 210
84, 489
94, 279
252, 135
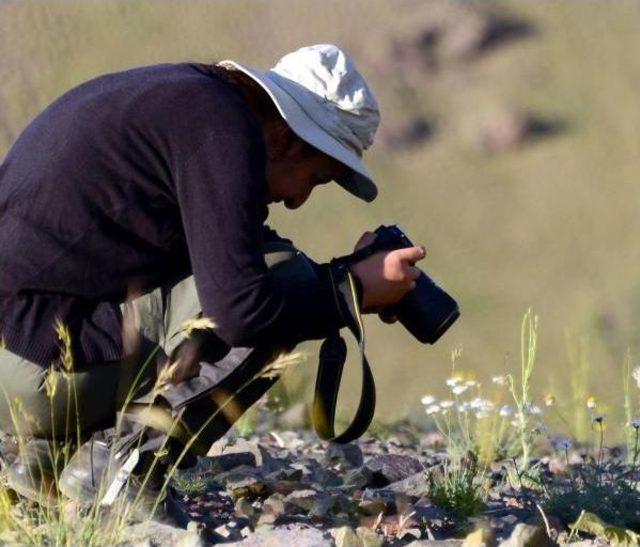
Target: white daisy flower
427, 400
459, 389
447, 404
432, 409
452, 382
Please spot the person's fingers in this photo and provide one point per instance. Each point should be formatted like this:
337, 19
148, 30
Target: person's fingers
366, 239
411, 254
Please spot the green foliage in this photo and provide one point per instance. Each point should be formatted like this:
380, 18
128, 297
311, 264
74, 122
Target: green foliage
521, 392
608, 490
592, 524
457, 487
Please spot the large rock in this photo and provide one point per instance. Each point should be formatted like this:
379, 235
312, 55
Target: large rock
388, 468
345, 537
294, 535
527, 535
436, 543
152, 534
416, 485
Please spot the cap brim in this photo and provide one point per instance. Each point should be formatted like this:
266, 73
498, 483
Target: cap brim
358, 181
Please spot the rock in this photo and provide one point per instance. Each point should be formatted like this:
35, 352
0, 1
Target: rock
373, 507
343, 454
302, 499
249, 487
284, 487
322, 504
410, 135
358, 478
287, 474
156, 533
504, 131
345, 537
509, 129
247, 509
272, 508
482, 537
388, 468
239, 446
416, 485
325, 477
237, 474
226, 462
436, 543
293, 535
368, 537
343, 504
527, 535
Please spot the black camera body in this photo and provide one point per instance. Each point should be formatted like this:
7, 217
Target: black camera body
427, 311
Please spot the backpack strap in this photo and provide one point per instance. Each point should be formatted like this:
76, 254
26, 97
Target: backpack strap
333, 354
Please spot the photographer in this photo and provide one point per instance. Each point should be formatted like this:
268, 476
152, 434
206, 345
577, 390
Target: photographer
137, 201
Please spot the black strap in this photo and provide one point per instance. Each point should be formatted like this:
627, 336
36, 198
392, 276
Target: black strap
333, 354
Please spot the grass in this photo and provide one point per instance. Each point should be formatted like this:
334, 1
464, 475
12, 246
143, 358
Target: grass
458, 487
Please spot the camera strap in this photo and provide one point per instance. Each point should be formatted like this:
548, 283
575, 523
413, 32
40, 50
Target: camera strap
333, 354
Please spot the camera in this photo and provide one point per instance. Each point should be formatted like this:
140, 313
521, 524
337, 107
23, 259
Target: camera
427, 311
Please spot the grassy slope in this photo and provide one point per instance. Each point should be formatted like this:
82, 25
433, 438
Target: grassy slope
554, 225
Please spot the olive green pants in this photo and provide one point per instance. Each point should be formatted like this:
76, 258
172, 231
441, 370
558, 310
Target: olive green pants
45, 402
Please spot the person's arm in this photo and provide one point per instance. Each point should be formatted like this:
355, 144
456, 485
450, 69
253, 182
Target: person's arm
222, 192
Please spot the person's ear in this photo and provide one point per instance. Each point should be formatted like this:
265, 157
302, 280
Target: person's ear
280, 140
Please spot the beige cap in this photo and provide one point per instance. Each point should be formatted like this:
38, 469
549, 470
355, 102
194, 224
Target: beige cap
326, 102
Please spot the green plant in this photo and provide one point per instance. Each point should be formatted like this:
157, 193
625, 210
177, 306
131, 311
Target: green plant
607, 489
457, 486
522, 393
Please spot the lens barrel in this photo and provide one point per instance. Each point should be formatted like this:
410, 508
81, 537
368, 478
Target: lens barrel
427, 311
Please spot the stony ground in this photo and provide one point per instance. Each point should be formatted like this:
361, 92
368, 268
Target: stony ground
290, 488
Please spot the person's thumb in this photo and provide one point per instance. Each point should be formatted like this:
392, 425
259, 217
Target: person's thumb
411, 254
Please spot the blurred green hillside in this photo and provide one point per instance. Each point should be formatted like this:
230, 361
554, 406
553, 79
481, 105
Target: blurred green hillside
550, 221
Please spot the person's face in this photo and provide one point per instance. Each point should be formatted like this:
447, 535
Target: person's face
293, 171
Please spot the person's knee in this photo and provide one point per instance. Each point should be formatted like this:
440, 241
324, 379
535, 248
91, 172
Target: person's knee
41, 402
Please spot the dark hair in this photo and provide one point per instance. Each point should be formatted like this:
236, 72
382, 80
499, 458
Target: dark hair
262, 103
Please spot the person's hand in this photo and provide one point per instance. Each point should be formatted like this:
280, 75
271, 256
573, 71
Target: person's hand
386, 276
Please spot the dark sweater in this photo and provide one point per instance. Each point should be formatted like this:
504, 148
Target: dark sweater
134, 180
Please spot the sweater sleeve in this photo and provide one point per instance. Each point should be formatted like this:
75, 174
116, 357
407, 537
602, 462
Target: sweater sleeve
222, 193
